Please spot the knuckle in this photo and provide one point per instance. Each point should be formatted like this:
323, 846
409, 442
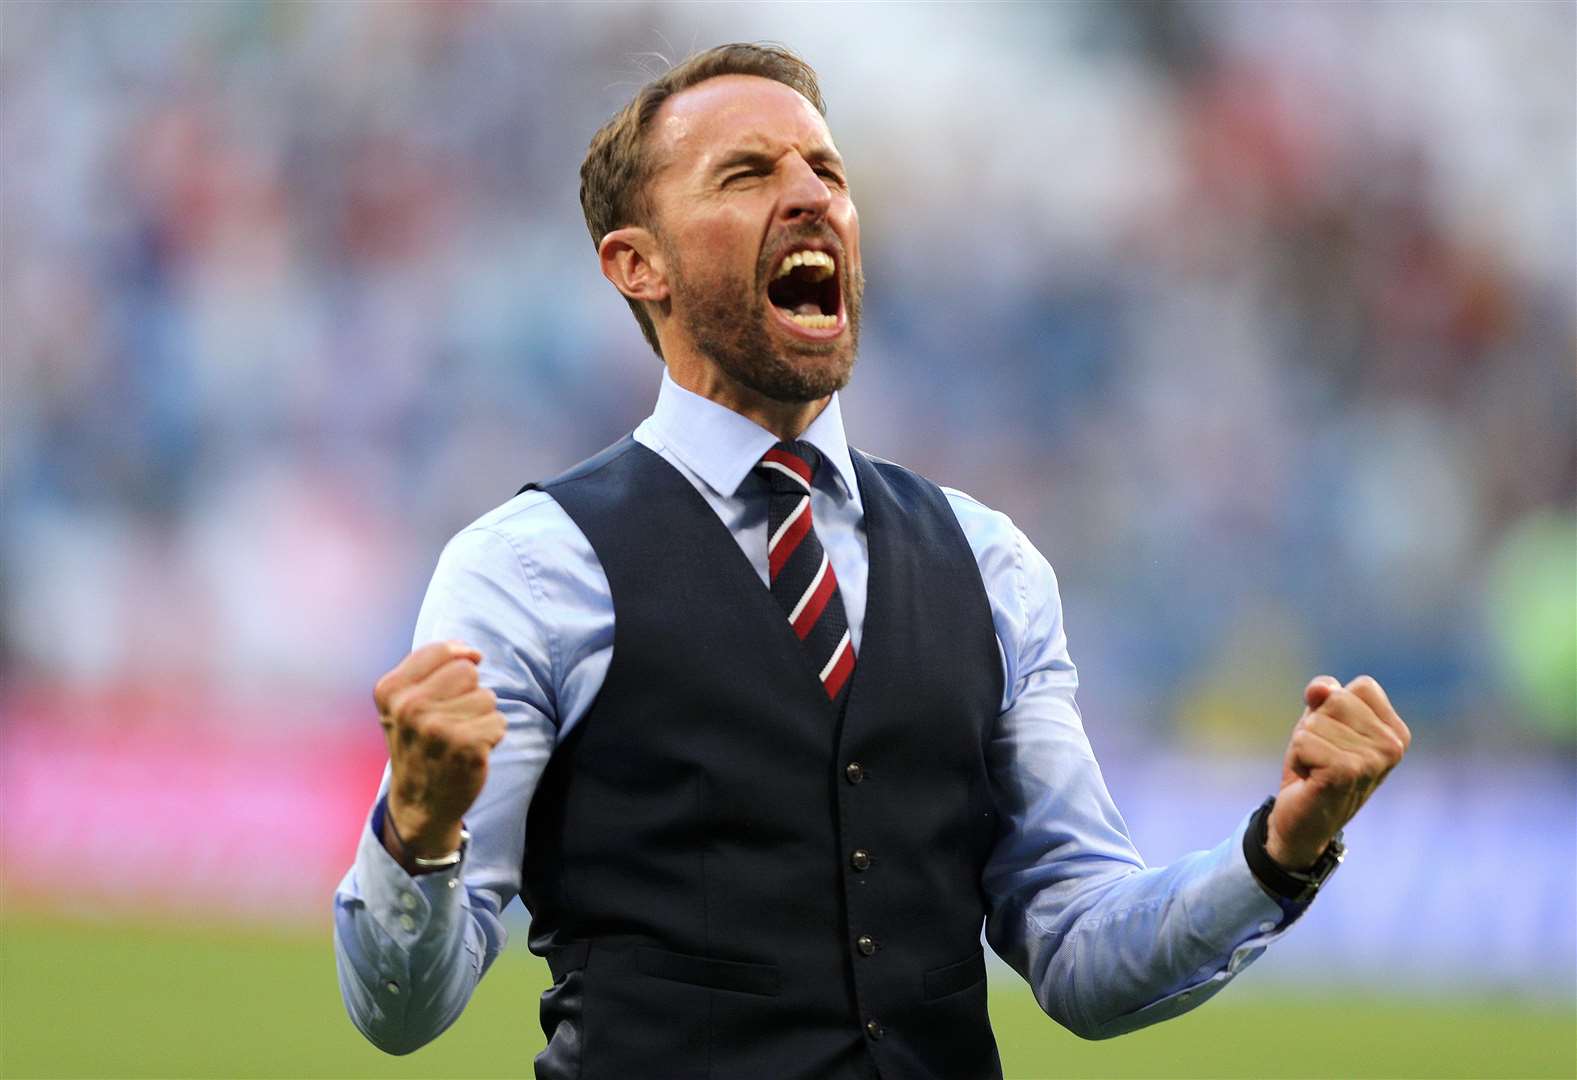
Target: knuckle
431, 729
1364, 683
400, 704
1338, 766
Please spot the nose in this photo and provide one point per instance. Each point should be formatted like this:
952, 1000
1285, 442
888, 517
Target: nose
806, 197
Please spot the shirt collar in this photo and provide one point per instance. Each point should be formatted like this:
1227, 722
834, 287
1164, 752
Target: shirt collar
722, 447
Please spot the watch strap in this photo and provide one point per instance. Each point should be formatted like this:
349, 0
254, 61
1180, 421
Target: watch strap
1295, 886
443, 862
383, 827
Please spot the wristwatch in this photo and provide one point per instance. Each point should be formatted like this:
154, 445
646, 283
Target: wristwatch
383, 826
1296, 886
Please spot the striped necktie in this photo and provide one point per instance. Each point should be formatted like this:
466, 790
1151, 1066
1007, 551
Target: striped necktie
800, 572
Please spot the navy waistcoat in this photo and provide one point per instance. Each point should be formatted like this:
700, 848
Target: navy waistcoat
729, 878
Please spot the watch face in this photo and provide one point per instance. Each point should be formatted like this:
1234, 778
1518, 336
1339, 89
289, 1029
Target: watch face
1329, 861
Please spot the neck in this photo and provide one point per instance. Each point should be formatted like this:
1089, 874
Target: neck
785, 419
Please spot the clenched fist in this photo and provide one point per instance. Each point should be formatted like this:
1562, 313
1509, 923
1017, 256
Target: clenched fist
441, 724
1347, 741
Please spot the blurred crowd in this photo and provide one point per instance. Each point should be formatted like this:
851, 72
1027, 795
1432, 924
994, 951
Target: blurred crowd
1258, 318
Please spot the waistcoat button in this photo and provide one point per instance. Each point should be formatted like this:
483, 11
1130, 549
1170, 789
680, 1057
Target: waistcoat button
855, 772
860, 859
866, 944
873, 1029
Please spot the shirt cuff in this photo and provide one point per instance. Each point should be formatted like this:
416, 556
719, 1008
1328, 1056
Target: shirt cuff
1261, 915
403, 906
1244, 912
1242, 907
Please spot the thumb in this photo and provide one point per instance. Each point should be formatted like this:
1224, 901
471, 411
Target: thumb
1320, 687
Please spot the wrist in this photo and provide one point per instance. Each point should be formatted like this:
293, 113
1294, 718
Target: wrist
1298, 860
420, 852
1288, 885
418, 833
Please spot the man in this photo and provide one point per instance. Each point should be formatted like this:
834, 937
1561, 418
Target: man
777, 725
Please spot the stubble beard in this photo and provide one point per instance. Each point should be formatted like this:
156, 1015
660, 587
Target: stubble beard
727, 324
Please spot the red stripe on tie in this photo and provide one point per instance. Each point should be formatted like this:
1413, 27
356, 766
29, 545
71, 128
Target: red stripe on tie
792, 461
840, 672
816, 604
788, 544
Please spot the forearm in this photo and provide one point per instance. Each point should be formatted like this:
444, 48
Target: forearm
1123, 948
404, 984
410, 951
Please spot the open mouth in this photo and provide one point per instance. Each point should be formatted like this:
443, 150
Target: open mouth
804, 289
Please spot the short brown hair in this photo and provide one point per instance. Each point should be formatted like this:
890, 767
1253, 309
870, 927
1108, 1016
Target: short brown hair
613, 176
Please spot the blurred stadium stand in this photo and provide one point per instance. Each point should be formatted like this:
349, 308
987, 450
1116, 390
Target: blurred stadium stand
1257, 318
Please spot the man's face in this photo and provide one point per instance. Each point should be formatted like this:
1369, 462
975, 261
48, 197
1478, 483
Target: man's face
752, 215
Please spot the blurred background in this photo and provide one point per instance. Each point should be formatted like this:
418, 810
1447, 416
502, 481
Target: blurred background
1258, 318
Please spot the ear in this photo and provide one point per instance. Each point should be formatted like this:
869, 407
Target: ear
631, 260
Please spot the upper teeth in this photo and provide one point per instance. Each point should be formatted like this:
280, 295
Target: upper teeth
820, 261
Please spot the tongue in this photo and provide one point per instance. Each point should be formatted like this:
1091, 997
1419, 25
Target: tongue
807, 308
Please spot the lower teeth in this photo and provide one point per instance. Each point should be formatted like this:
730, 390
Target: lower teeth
815, 322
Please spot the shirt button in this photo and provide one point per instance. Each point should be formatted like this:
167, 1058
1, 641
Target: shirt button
1266, 927
874, 1029
860, 859
408, 901
866, 944
407, 923
854, 771
392, 987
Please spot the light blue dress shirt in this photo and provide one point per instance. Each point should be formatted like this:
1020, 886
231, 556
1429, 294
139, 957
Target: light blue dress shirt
1106, 944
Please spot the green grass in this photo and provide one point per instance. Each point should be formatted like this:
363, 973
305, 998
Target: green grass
114, 999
